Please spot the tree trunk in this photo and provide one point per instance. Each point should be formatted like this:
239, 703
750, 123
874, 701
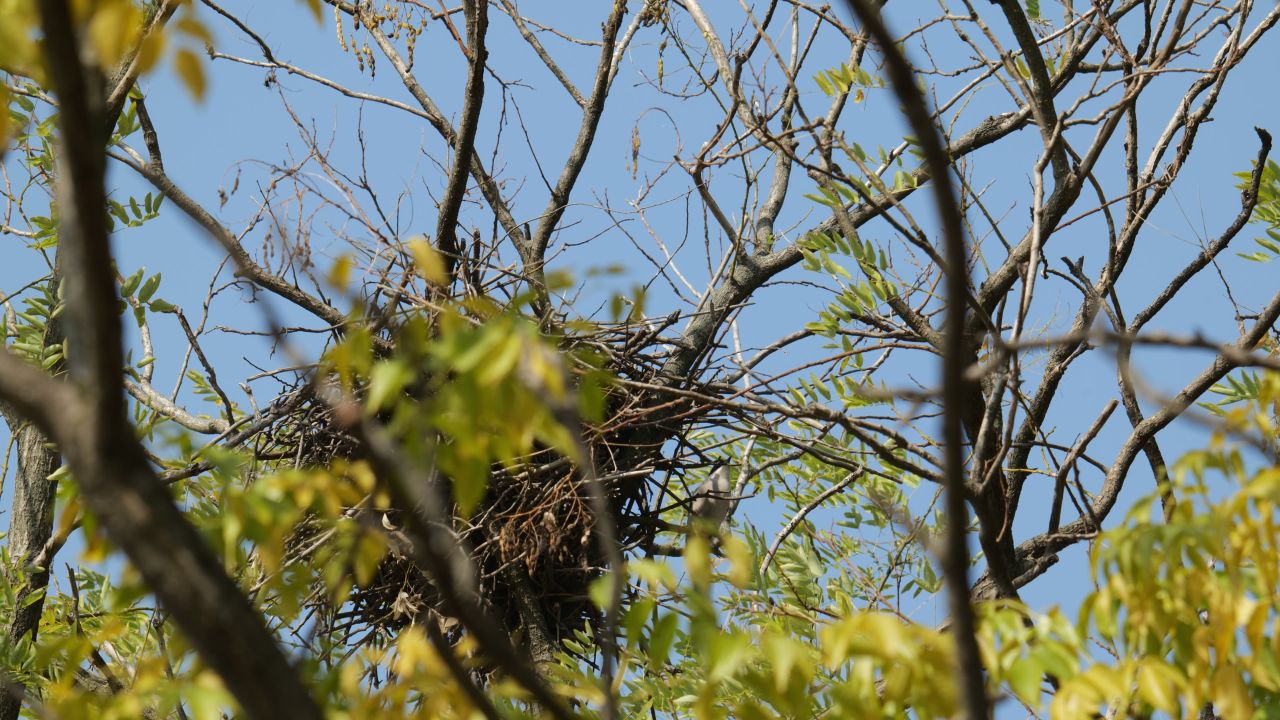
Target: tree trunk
30, 527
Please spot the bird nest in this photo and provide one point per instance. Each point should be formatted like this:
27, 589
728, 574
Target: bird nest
531, 541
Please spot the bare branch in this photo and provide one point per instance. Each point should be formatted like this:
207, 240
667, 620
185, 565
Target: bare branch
464, 141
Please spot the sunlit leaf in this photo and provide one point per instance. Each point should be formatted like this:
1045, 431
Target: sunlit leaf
191, 70
114, 30
427, 261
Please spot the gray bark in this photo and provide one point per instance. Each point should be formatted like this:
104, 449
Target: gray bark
30, 527
30, 522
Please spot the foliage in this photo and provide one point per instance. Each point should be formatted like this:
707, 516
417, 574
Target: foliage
463, 442
1170, 599
1266, 213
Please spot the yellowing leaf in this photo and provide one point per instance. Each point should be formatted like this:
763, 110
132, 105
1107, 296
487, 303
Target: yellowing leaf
362, 475
697, 560
188, 66
114, 30
369, 551
1024, 677
726, 654
340, 273
386, 381
412, 650
1230, 696
500, 360
69, 515
192, 27
207, 697
601, 591
740, 561
150, 50
428, 262
654, 574
469, 486
349, 679
17, 49
786, 656
1158, 685
661, 639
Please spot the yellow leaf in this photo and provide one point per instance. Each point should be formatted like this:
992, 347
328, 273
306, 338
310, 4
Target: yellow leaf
340, 273
601, 591
69, 515
369, 551
189, 68
427, 261
412, 648
207, 697
95, 546
349, 679
697, 560
151, 49
741, 563
1158, 685
470, 482
17, 50
194, 28
727, 651
502, 358
1230, 696
654, 574
362, 475
114, 30
789, 659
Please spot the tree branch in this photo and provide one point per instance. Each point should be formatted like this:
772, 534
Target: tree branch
89, 420
955, 554
446, 238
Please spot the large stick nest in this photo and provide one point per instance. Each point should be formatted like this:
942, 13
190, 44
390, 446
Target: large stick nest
532, 540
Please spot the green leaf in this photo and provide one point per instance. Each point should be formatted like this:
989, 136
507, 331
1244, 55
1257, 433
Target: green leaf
601, 591
661, 639
367, 556
1024, 678
469, 489
727, 652
1158, 685
386, 380
131, 283
149, 288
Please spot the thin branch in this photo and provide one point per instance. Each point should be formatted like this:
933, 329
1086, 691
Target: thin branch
558, 202
477, 14
1060, 481
799, 517
955, 560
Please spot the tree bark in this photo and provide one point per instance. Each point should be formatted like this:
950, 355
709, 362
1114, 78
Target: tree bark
30, 527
